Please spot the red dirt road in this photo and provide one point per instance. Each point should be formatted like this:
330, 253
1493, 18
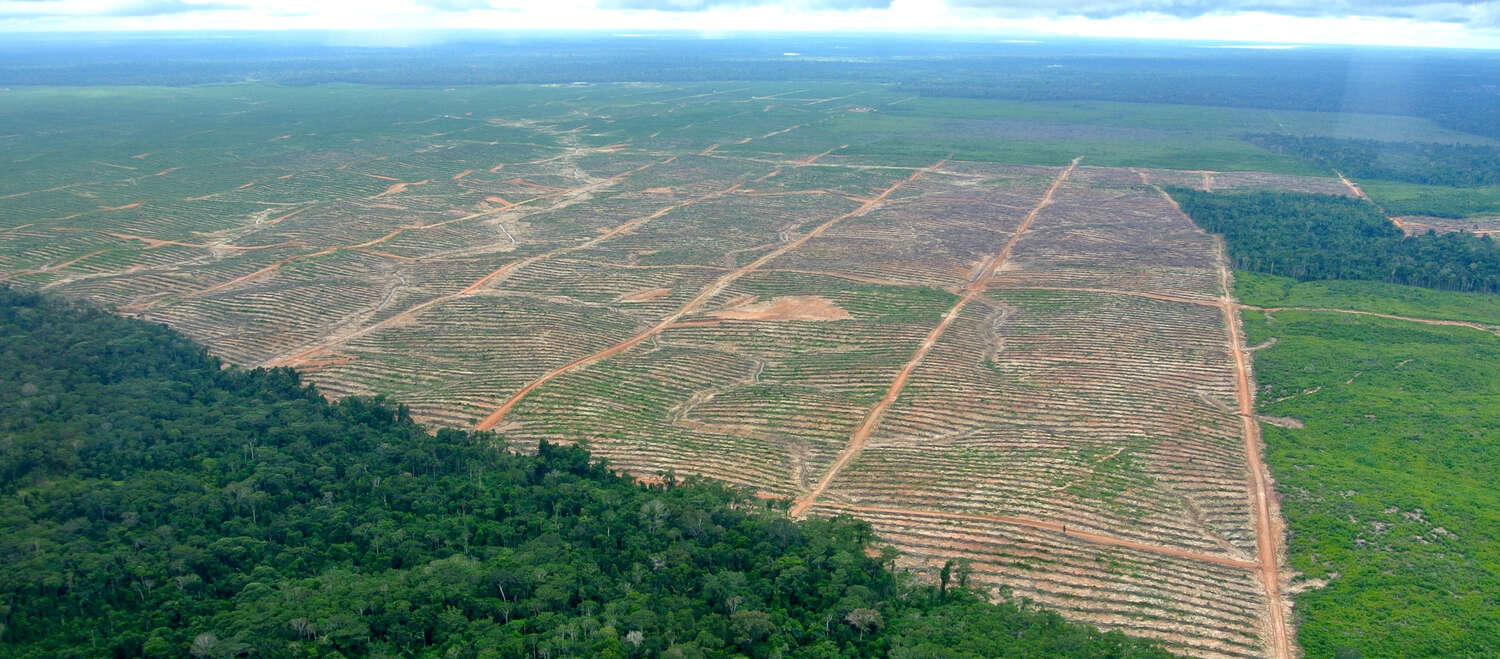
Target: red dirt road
862, 433
1267, 522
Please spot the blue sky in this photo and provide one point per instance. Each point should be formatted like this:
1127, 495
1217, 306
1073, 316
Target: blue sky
1457, 23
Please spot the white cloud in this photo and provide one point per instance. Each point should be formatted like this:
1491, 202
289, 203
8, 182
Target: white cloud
1444, 23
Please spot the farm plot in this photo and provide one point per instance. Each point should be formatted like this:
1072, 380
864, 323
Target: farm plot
760, 389
1104, 234
1024, 367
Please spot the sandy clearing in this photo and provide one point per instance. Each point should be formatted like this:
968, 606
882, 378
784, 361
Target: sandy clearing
497, 168
861, 435
398, 188
274, 220
382, 178
141, 156
242, 187
709, 150
166, 171
497, 199
692, 305
645, 295
460, 175
126, 207
791, 307
658, 190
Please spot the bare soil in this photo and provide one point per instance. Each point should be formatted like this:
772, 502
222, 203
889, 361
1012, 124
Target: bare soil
792, 307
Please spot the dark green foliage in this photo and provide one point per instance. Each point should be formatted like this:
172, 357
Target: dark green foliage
1389, 489
1427, 163
1308, 236
154, 503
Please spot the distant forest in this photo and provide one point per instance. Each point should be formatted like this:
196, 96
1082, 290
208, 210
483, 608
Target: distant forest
1309, 236
1452, 88
1458, 165
156, 504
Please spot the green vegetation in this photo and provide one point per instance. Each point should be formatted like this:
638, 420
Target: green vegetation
1308, 237
1388, 490
1427, 163
157, 504
1377, 297
1433, 200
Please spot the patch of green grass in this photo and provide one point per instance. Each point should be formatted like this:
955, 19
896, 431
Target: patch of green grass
1434, 200
1388, 491
1261, 290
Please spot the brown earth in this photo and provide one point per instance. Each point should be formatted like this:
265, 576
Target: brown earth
792, 307
862, 433
645, 296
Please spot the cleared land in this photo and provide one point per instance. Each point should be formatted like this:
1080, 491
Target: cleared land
1033, 367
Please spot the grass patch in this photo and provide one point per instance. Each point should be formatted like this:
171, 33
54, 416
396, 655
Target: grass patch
1262, 290
1388, 490
1434, 200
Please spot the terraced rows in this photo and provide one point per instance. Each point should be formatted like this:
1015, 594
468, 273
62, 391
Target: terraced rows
456, 259
1198, 608
699, 396
1111, 234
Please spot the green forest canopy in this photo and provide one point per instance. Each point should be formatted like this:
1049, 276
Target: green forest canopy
157, 504
1311, 236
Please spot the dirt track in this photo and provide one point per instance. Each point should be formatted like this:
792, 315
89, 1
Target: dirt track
692, 305
301, 356
1425, 321
1267, 526
862, 433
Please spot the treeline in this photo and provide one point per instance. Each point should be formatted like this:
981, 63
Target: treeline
1427, 163
1308, 236
153, 503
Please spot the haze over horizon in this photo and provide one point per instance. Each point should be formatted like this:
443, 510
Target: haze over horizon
1455, 24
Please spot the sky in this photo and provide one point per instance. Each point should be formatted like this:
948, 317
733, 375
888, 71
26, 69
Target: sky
1445, 23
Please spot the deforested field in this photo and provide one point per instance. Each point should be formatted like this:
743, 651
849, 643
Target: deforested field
1032, 366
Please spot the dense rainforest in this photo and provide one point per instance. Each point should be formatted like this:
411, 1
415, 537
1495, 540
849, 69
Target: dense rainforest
1427, 163
157, 503
1310, 236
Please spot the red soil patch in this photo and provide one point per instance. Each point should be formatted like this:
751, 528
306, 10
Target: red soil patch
497, 168
462, 174
284, 177
166, 171
398, 188
645, 296
658, 191
792, 307
247, 185
497, 199
126, 207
